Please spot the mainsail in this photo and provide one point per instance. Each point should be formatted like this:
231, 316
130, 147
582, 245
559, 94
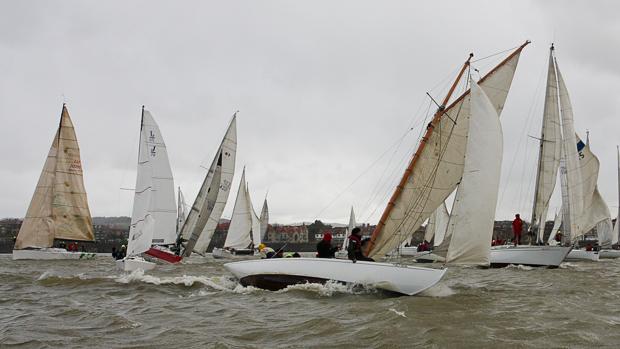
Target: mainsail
59, 206
350, 227
264, 220
473, 212
209, 204
437, 166
181, 212
549, 153
153, 216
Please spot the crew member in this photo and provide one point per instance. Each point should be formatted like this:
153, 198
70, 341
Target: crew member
517, 227
354, 250
324, 248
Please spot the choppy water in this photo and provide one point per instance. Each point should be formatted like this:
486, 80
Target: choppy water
90, 304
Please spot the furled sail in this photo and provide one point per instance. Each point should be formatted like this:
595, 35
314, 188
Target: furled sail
264, 220
59, 206
549, 153
238, 235
350, 227
437, 166
201, 230
473, 213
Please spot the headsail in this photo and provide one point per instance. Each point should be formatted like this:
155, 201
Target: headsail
437, 225
200, 230
549, 153
437, 166
556, 226
256, 224
181, 211
238, 235
473, 213
59, 206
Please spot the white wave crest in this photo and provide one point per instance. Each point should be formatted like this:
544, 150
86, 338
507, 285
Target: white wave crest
519, 267
220, 283
399, 313
330, 288
439, 291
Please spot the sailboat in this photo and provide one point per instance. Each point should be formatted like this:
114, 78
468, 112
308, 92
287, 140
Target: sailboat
342, 253
206, 211
59, 208
154, 216
244, 231
548, 164
433, 173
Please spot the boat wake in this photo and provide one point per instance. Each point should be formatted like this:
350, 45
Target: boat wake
330, 288
438, 291
519, 267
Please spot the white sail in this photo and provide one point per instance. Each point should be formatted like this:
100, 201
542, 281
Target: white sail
162, 206
238, 236
264, 220
350, 227
549, 154
59, 206
473, 213
256, 232
437, 167
181, 211
437, 225
604, 231
204, 216
556, 226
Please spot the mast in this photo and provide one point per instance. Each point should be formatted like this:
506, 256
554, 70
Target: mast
429, 132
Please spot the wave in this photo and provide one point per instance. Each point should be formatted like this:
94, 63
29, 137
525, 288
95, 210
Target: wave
50, 277
331, 288
438, 291
520, 267
399, 313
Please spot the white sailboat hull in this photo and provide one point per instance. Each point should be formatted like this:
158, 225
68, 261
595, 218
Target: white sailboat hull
134, 263
537, 256
51, 254
279, 273
582, 255
608, 253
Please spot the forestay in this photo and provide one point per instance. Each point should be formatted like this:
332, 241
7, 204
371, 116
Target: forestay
473, 213
437, 166
59, 206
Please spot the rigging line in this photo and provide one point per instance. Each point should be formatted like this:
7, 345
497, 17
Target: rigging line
361, 174
495, 54
380, 183
521, 139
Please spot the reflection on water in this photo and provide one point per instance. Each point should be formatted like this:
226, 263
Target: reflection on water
198, 304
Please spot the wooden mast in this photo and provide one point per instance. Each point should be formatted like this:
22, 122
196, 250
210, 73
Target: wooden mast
429, 130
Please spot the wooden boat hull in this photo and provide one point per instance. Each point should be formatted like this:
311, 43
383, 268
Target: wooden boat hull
535, 256
278, 273
134, 263
577, 255
51, 254
608, 253
160, 255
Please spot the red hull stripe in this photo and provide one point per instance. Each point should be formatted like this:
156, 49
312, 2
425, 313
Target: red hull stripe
165, 256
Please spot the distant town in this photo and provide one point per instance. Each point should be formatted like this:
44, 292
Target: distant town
113, 232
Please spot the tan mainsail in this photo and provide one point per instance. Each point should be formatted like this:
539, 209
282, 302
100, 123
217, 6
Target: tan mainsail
59, 208
437, 166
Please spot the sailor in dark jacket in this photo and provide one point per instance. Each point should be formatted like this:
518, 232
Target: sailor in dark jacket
324, 248
354, 250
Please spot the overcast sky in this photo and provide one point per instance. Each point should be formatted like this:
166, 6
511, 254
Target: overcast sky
326, 90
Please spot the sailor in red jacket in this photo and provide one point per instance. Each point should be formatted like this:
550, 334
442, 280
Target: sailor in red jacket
517, 227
